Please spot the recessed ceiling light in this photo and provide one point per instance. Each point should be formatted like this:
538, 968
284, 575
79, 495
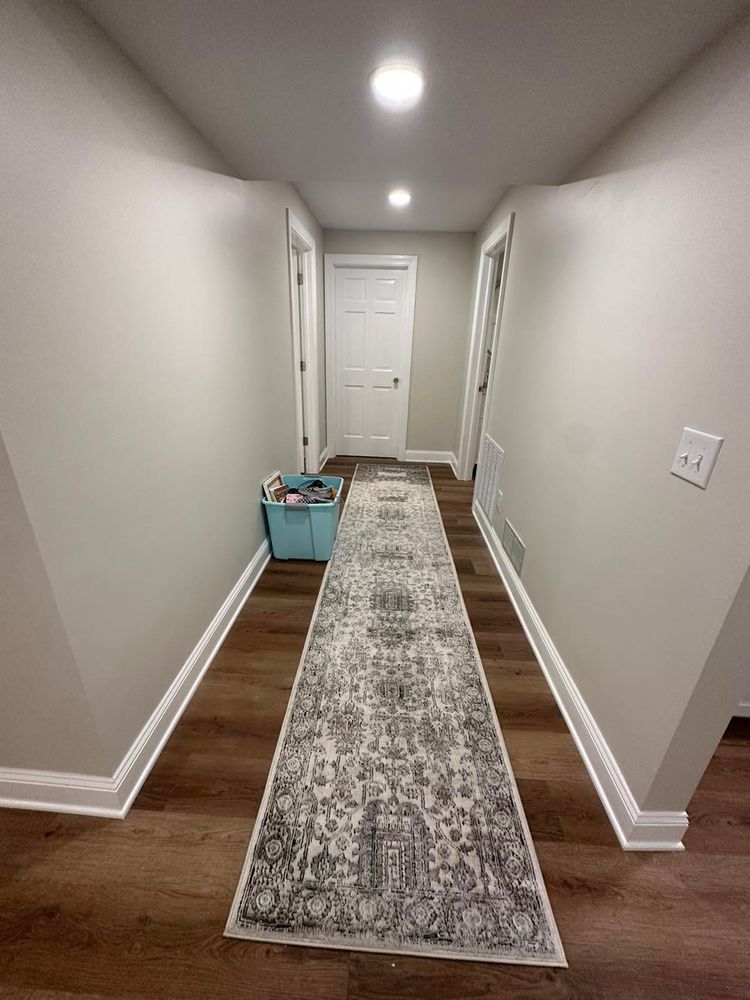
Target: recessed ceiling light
399, 198
397, 86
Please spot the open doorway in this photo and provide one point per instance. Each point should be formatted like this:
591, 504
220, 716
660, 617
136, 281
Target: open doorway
303, 303
488, 309
490, 340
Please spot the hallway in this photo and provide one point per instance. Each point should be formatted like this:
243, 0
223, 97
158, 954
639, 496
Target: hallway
135, 908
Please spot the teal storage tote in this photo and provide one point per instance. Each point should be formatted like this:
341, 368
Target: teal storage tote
304, 531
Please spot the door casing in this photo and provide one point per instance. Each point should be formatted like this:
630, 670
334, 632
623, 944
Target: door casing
304, 322
496, 243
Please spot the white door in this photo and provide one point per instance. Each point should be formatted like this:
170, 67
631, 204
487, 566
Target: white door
299, 332
372, 356
490, 339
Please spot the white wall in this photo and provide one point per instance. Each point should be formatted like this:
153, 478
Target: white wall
145, 384
743, 705
43, 708
711, 703
441, 322
626, 317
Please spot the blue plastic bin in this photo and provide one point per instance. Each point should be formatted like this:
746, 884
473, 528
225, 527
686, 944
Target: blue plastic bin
304, 531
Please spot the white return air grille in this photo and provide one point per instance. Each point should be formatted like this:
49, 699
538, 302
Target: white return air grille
489, 469
514, 546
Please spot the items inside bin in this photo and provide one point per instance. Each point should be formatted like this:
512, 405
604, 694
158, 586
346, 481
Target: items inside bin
311, 492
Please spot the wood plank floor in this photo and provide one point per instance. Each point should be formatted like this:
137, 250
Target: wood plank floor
133, 909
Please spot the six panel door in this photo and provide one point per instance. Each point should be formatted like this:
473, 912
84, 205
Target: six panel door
370, 354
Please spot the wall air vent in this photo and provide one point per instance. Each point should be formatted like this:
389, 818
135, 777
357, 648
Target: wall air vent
513, 545
489, 469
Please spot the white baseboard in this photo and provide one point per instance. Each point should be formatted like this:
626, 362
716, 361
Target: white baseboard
438, 457
96, 795
637, 829
58, 791
743, 710
323, 457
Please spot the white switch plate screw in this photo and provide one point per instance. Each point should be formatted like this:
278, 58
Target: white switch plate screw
696, 456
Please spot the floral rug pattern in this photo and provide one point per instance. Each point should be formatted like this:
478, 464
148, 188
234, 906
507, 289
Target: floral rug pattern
391, 820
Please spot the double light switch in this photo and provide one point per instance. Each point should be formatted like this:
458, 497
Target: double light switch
696, 456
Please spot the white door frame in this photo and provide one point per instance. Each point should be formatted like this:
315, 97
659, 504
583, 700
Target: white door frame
304, 342
496, 243
396, 262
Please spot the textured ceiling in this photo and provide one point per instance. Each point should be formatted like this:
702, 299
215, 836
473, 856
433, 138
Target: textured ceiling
517, 91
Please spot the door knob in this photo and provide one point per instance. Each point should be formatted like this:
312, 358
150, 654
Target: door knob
395, 379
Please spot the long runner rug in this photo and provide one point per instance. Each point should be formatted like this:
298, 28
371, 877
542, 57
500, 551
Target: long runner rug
391, 820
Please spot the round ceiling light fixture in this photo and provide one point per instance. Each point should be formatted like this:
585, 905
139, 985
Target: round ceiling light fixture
397, 86
399, 198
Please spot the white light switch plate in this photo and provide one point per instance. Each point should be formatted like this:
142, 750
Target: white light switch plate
696, 456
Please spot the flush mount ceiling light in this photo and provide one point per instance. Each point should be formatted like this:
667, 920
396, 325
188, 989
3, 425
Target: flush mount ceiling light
399, 198
397, 86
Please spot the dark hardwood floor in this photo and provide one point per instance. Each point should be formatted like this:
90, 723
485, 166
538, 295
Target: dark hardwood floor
100, 909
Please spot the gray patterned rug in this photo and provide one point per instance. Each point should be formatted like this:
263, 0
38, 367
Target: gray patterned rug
391, 820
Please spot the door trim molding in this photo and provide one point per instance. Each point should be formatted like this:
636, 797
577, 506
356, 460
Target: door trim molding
304, 341
637, 829
396, 262
498, 241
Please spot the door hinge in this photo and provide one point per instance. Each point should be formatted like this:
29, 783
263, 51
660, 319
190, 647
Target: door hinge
300, 280
303, 366
305, 440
